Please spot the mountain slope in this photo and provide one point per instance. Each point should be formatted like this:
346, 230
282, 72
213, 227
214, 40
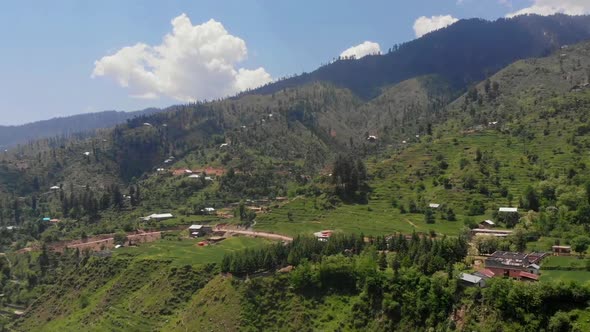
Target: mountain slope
465, 52
65, 126
519, 144
518, 139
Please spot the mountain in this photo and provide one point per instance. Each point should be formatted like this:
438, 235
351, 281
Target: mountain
463, 53
65, 126
399, 179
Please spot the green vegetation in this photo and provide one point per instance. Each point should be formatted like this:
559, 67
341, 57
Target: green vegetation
399, 179
187, 251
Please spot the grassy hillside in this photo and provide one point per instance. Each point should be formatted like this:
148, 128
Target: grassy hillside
137, 289
517, 139
484, 152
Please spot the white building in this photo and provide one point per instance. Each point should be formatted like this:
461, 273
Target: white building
158, 216
508, 209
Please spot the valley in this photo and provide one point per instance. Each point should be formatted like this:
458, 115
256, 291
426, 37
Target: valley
319, 204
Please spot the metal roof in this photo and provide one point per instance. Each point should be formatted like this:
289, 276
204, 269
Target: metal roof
470, 278
527, 275
485, 273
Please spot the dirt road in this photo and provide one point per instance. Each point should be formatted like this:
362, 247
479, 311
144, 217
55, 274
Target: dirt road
271, 236
97, 244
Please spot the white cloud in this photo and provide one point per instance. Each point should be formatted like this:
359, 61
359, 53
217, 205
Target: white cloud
549, 7
424, 25
361, 50
193, 62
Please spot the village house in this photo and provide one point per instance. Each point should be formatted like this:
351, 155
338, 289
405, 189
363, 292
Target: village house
485, 274
487, 224
434, 205
323, 236
208, 210
561, 250
508, 209
516, 265
472, 280
199, 230
158, 216
256, 209
210, 171
491, 232
178, 172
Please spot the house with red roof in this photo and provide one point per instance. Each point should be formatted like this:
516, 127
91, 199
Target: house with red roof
515, 265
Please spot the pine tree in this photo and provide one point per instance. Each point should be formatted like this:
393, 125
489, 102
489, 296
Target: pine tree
382, 261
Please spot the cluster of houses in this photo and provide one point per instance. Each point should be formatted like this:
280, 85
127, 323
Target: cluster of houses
486, 227
515, 265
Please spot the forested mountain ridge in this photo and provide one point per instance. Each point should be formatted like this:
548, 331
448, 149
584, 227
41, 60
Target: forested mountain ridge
463, 53
81, 125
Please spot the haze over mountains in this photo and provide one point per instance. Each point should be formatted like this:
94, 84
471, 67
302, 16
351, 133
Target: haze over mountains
65, 126
461, 54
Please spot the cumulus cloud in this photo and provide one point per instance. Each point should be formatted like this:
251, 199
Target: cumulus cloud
549, 7
424, 25
361, 50
193, 62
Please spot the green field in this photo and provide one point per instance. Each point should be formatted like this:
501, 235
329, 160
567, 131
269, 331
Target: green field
544, 244
378, 217
187, 252
572, 262
565, 268
566, 276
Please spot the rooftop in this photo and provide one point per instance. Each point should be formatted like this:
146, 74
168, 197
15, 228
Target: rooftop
562, 247
514, 259
470, 278
527, 275
485, 273
508, 209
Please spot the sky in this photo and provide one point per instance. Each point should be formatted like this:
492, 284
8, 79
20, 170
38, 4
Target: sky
65, 57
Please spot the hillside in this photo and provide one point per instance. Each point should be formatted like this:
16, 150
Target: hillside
306, 159
463, 53
80, 125
492, 147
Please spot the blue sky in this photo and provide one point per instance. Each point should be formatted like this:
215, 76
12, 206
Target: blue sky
49, 48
